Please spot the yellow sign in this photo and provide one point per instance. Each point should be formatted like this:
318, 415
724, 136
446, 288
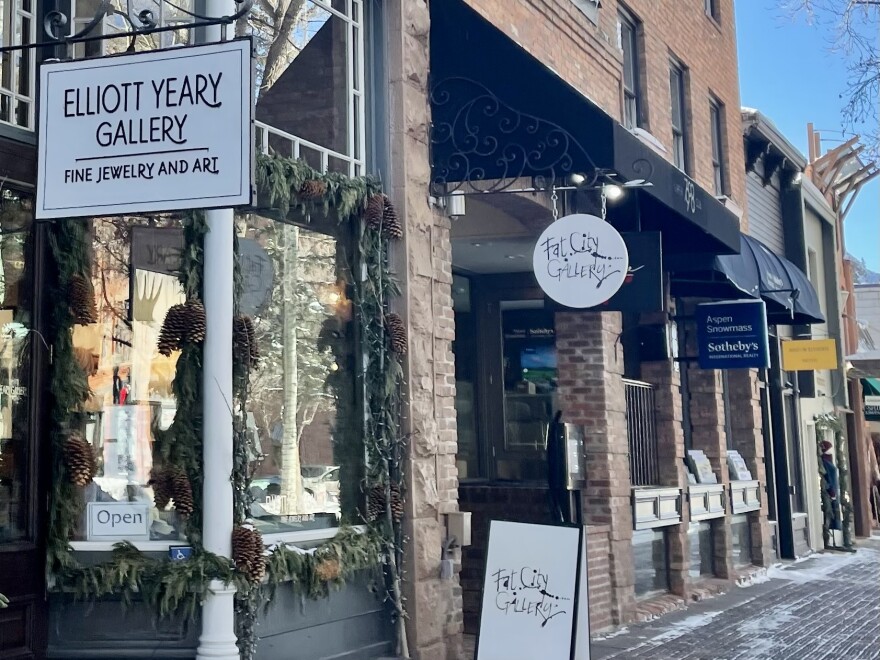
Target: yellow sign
809, 355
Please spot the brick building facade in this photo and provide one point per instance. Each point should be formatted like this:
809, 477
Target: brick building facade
581, 49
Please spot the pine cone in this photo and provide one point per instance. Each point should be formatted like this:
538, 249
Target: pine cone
173, 329
312, 189
81, 298
396, 329
247, 552
181, 492
80, 460
328, 569
163, 490
376, 503
244, 339
375, 211
197, 322
391, 226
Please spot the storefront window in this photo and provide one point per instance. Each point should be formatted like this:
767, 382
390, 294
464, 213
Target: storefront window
302, 407
135, 278
651, 561
16, 212
702, 555
741, 540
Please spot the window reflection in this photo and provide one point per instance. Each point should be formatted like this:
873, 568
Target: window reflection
135, 280
302, 400
16, 212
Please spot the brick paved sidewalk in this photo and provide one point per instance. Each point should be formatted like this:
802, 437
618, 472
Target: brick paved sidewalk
824, 608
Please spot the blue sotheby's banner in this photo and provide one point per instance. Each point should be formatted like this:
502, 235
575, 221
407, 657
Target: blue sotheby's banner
733, 335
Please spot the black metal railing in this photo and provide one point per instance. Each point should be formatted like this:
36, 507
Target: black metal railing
644, 464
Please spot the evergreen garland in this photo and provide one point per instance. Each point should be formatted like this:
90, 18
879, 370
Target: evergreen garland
69, 241
177, 588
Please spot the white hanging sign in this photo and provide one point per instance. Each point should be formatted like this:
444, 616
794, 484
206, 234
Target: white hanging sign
155, 131
580, 261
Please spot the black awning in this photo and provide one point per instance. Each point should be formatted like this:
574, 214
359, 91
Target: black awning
756, 272
499, 113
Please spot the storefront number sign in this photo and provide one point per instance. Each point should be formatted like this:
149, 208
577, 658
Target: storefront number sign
580, 261
733, 335
155, 131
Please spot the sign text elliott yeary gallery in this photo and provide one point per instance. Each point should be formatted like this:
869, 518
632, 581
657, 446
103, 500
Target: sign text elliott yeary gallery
155, 131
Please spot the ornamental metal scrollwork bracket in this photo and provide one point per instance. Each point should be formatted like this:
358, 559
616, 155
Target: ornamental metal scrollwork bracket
143, 22
474, 131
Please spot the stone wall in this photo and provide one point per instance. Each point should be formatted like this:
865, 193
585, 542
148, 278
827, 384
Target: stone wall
424, 270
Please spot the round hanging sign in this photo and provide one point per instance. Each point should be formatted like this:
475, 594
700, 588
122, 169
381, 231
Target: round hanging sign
580, 261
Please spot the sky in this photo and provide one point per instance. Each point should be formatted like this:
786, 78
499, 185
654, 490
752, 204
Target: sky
788, 74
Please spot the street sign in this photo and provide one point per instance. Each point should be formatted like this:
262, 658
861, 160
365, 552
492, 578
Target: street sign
809, 355
155, 131
580, 261
733, 335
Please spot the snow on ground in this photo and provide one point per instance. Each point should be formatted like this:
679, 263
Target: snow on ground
820, 566
758, 577
611, 635
685, 626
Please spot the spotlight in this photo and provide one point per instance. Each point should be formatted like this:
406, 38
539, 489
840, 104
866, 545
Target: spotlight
577, 179
612, 191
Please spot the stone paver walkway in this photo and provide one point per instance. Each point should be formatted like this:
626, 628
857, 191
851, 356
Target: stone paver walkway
823, 608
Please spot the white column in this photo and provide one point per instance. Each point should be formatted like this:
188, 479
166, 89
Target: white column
218, 611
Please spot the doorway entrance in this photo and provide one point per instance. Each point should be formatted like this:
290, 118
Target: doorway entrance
23, 623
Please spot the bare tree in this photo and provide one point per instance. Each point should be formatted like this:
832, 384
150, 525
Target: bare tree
854, 26
280, 30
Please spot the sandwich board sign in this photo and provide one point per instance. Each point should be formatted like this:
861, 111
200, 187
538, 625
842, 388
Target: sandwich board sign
534, 594
161, 130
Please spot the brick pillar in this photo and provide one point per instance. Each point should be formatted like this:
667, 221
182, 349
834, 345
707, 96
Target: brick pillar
423, 260
748, 440
708, 434
590, 367
665, 378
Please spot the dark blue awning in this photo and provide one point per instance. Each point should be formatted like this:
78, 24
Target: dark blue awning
757, 272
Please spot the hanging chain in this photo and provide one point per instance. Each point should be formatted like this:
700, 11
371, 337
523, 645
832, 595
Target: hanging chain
604, 204
554, 198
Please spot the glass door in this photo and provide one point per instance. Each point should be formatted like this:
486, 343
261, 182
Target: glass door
529, 389
22, 556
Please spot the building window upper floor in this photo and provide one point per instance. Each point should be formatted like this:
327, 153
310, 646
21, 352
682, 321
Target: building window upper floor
712, 9
681, 137
18, 25
633, 92
719, 157
309, 89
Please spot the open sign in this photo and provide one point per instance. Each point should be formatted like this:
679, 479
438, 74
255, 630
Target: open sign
114, 521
